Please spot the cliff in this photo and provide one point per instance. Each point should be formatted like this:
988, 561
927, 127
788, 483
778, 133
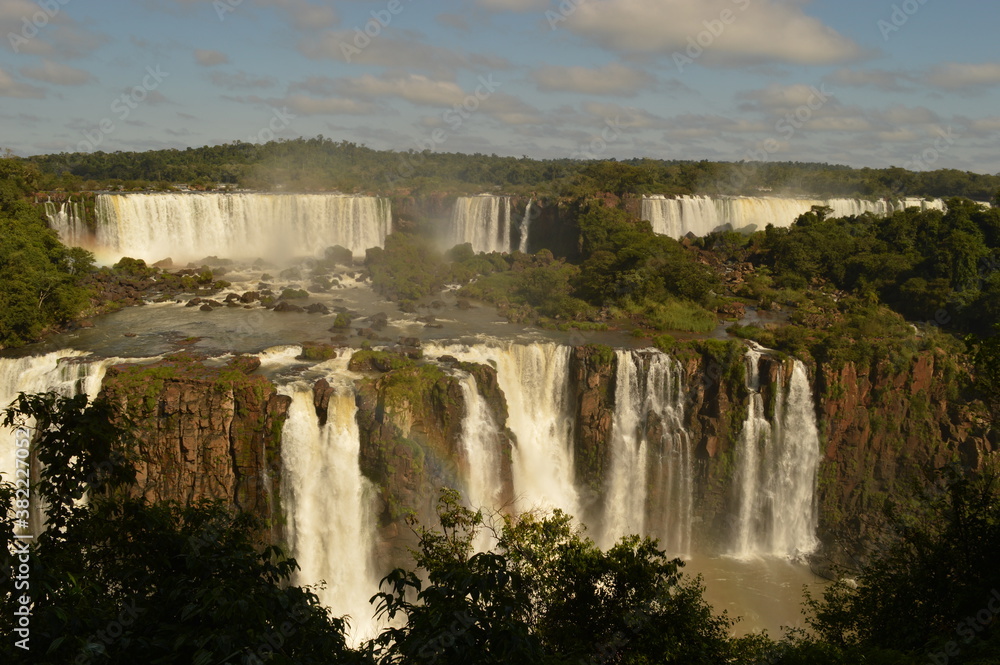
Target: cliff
205, 431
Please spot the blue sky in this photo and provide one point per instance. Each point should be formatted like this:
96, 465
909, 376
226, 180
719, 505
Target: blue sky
912, 83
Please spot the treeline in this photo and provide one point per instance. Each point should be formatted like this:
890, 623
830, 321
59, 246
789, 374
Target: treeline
322, 163
121, 579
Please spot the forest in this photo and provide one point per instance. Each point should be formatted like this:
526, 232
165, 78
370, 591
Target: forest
324, 164
203, 585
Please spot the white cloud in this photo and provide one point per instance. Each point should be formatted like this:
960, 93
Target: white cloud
414, 88
612, 79
875, 78
954, 75
9, 87
758, 31
209, 58
57, 73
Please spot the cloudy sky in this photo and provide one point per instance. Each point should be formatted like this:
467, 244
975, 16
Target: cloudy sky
912, 83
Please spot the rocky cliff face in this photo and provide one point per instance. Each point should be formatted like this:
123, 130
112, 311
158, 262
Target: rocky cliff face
885, 428
214, 432
205, 432
410, 421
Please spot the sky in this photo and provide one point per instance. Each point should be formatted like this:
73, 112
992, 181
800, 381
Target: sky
911, 83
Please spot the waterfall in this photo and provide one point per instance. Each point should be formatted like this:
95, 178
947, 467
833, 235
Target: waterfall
479, 442
776, 465
481, 463
535, 380
483, 221
327, 503
192, 226
650, 479
701, 215
524, 229
625, 498
69, 220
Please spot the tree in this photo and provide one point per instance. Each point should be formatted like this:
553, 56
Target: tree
120, 580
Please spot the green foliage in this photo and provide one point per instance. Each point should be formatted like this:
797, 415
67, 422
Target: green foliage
930, 583
543, 594
294, 294
320, 163
185, 584
342, 320
41, 278
407, 268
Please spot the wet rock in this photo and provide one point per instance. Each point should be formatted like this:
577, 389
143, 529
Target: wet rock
318, 308
206, 308
249, 297
283, 306
463, 304
378, 321
194, 302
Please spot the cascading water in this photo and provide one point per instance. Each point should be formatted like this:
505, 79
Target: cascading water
328, 504
192, 226
69, 220
525, 229
483, 221
484, 486
777, 462
650, 486
700, 215
535, 380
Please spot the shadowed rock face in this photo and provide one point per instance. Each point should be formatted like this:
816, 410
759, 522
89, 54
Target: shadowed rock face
215, 433
204, 432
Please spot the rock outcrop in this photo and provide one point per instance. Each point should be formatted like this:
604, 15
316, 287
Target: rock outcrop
205, 432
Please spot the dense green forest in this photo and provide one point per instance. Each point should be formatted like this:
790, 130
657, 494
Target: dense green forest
196, 584
40, 278
324, 164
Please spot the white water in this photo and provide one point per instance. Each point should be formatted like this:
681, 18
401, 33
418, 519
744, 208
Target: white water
700, 215
277, 226
534, 379
775, 481
650, 484
68, 219
328, 504
481, 470
483, 221
525, 229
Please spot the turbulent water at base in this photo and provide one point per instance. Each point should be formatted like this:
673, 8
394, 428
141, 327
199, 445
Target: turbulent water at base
192, 226
525, 229
775, 479
483, 221
535, 381
69, 220
328, 504
700, 215
650, 485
